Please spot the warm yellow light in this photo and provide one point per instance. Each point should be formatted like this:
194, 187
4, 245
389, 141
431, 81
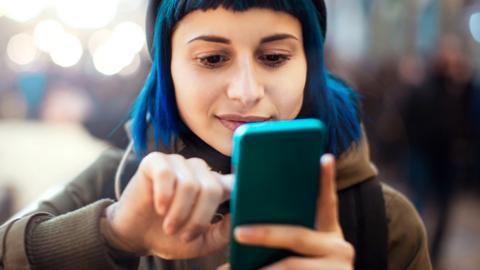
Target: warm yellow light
98, 39
2, 9
86, 14
132, 68
110, 59
130, 36
67, 51
47, 33
132, 6
23, 10
114, 51
21, 49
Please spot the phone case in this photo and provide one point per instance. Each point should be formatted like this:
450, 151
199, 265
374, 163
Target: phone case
277, 167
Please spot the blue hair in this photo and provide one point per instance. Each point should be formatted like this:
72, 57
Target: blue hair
326, 97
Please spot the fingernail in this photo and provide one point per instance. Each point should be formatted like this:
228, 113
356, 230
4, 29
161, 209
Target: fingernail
326, 158
245, 232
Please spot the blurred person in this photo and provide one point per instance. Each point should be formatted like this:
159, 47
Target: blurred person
32, 87
64, 104
439, 130
217, 65
475, 113
12, 105
7, 197
379, 84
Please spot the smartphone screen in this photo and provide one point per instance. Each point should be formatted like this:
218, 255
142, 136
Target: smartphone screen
276, 166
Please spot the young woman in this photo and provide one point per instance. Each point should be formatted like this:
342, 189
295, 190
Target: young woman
216, 65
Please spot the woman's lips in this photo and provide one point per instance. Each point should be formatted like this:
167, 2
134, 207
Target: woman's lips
232, 125
232, 122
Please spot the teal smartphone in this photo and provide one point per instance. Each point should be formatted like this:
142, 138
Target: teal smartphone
276, 167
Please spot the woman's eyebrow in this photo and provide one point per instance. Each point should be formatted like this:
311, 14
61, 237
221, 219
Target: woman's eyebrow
218, 39
211, 38
277, 37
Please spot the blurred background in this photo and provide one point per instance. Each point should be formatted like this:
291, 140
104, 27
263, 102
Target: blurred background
70, 70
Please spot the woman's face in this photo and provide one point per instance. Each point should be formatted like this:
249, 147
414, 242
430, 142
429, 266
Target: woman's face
230, 68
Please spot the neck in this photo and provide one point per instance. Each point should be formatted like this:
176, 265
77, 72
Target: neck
196, 147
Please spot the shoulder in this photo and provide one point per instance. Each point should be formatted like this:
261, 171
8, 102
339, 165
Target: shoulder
400, 211
99, 173
110, 157
105, 164
100, 170
407, 240
86, 188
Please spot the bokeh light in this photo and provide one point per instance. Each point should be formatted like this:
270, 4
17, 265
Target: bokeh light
67, 51
86, 14
114, 51
21, 49
110, 59
98, 38
130, 36
47, 33
2, 9
475, 26
132, 6
22, 10
132, 68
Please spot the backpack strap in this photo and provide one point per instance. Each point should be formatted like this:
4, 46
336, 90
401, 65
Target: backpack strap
364, 224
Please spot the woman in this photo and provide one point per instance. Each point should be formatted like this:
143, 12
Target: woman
215, 66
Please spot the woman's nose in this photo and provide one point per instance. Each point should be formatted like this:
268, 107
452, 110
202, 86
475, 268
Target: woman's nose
245, 87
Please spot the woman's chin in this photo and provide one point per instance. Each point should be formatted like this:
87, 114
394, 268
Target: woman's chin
223, 144
225, 149
223, 141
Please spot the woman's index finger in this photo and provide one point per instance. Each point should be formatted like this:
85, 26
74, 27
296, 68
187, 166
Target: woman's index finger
327, 202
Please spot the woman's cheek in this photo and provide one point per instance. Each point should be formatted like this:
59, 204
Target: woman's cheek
288, 92
290, 106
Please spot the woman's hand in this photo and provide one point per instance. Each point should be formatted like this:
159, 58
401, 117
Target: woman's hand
167, 207
322, 248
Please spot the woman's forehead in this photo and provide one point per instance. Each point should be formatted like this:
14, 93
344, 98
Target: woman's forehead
254, 23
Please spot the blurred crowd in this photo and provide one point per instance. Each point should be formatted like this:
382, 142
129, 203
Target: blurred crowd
422, 116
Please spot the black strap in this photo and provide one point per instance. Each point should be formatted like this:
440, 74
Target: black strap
364, 224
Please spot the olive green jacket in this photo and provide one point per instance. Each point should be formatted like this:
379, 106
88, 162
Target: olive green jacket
66, 231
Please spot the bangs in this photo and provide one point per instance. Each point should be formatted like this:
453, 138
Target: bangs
242, 5
179, 9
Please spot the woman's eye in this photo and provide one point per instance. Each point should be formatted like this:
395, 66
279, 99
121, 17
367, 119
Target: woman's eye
213, 61
274, 60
